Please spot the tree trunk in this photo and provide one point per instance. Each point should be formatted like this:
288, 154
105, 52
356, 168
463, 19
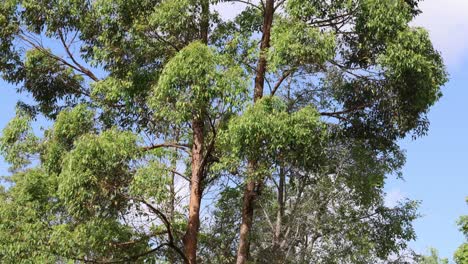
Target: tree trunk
278, 235
172, 196
252, 186
190, 238
247, 218
264, 46
280, 213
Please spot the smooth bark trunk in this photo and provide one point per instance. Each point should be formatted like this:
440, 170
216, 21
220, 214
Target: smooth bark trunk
247, 218
190, 238
280, 213
191, 235
253, 186
172, 196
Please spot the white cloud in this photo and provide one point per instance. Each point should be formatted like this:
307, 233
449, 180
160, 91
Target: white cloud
447, 23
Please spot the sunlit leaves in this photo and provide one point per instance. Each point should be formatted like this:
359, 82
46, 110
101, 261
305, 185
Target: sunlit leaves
22, 210
96, 173
151, 181
266, 132
175, 20
197, 82
18, 141
111, 90
461, 255
9, 24
69, 126
295, 44
103, 236
53, 16
357, 77
382, 19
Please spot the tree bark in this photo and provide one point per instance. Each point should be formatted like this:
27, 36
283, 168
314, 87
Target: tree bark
191, 235
278, 235
190, 238
172, 196
264, 46
252, 186
280, 213
247, 218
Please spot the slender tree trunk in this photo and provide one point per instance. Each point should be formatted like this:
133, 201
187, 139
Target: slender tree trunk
191, 235
190, 238
247, 218
278, 235
264, 46
172, 197
252, 186
280, 213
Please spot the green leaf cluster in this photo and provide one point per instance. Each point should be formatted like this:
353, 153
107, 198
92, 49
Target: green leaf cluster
196, 83
95, 174
295, 44
18, 141
268, 134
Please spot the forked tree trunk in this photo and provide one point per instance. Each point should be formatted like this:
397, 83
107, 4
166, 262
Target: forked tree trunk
253, 185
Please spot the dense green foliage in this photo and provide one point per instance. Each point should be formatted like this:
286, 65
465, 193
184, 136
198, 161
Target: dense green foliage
148, 98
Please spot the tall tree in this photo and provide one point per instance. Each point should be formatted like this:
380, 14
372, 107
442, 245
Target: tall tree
139, 71
149, 96
359, 63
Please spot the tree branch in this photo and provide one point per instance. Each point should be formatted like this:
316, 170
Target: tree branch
82, 69
285, 75
280, 3
55, 57
168, 228
350, 110
167, 145
246, 3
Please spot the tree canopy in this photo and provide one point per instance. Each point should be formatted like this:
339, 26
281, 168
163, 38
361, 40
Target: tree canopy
179, 136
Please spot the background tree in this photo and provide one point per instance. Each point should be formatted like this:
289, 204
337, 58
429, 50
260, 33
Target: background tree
433, 258
358, 63
461, 255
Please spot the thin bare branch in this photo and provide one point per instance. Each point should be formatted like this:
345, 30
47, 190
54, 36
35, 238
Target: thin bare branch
285, 75
81, 68
167, 145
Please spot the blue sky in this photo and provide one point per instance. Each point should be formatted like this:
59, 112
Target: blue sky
435, 171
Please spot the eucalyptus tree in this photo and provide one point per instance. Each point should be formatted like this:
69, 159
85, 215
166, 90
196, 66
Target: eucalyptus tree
318, 216
358, 64
136, 92
145, 94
